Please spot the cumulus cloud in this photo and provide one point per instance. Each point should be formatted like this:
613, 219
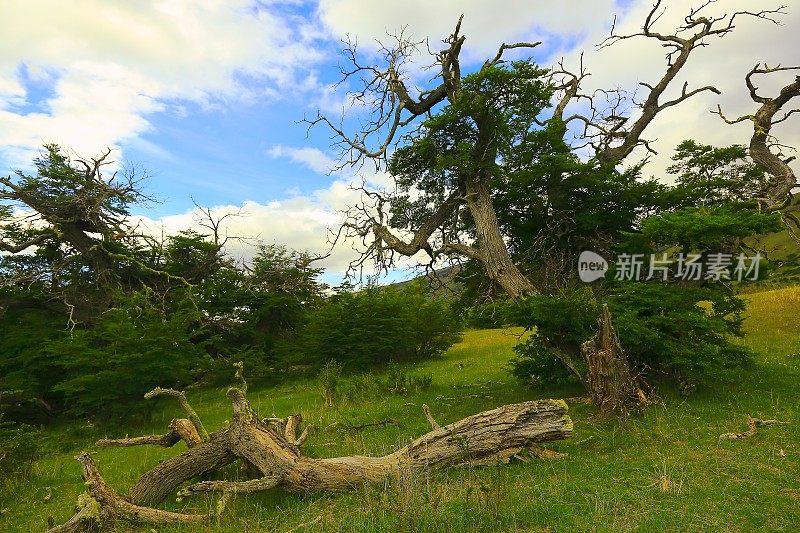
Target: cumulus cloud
570, 28
313, 158
104, 67
302, 222
486, 24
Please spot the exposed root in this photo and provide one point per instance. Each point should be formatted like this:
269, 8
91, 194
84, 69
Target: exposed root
752, 427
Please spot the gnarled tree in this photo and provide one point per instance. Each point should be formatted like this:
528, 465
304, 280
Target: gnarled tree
456, 147
764, 148
483, 167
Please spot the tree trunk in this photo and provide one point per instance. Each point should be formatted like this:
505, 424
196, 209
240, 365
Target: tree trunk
493, 252
611, 385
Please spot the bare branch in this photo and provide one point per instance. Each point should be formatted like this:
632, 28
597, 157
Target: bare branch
184, 403
776, 193
612, 145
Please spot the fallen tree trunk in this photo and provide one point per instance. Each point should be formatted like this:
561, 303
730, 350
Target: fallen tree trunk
272, 448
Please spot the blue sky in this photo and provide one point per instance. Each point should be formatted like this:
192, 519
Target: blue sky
206, 95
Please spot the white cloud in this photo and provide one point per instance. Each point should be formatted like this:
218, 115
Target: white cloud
313, 158
486, 24
111, 64
574, 26
302, 222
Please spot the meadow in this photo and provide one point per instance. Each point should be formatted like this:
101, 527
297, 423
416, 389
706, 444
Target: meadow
665, 470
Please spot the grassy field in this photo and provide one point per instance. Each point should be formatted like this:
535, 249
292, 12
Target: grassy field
664, 471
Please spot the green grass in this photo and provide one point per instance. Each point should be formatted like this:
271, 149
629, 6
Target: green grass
663, 471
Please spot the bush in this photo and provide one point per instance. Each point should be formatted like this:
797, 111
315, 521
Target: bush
681, 332
536, 364
329, 382
132, 348
375, 326
686, 332
20, 445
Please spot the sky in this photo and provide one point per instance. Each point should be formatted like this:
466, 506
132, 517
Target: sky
207, 97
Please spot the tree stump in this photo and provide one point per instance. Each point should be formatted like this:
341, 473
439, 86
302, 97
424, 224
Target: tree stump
611, 384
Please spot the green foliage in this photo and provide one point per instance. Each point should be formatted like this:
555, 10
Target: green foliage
561, 323
26, 326
328, 379
399, 381
252, 313
707, 228
537, 365
486, 315
681, 332
131, 349
707, 175
686, 332
378, 325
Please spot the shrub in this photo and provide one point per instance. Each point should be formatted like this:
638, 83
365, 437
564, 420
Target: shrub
682, 332
361, 388
536, 364
686, 332
377, 325
132, 348
329, 381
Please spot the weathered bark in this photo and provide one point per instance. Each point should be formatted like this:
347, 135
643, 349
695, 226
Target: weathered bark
187, 408
180, 429
776, 193
481, 437
100, 506
611, 385
271, 446
493, 252
155, 485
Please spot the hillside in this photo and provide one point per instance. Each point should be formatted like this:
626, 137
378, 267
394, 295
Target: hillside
666, 470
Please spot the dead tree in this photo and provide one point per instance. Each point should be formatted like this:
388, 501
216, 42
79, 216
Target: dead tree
611, 132
776, 194
611, 384
273, 448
